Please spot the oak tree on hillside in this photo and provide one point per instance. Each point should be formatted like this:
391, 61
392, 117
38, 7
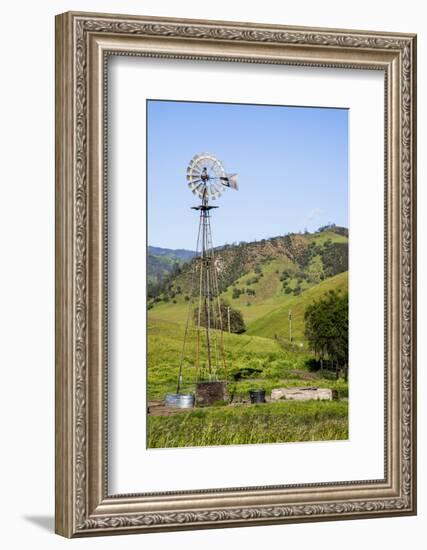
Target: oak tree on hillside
326, 329
237, 324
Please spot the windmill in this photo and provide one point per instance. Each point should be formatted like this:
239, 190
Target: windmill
207, 180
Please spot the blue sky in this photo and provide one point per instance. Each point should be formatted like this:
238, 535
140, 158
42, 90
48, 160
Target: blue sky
292, 164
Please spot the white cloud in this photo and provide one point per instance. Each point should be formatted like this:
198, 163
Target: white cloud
314, 214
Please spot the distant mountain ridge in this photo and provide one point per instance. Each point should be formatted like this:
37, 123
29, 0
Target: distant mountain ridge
179, 253
164, 261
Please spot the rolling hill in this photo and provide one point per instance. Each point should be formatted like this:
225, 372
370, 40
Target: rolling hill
266, 279
276, 323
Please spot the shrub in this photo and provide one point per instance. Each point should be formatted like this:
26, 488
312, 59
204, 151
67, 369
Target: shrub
237, 324
236, 293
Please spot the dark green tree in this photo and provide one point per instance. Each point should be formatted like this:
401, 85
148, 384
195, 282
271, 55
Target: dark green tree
326, 329
237, 324
236, 293
335, 258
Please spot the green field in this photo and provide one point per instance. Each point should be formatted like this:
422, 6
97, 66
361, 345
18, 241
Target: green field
277, 366
260, 358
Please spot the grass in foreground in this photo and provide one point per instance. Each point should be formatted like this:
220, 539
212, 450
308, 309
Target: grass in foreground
281, 422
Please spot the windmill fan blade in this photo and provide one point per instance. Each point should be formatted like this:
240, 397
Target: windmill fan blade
199, 189
192, 184
193, 170
193, 177
214, 191
217, 191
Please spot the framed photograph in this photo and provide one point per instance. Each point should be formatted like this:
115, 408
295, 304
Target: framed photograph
235, 274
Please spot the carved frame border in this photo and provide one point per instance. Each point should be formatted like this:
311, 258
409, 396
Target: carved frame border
83, 43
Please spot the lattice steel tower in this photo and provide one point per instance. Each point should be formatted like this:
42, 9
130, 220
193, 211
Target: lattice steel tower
207, 179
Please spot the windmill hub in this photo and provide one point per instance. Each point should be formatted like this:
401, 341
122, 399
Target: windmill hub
205, 175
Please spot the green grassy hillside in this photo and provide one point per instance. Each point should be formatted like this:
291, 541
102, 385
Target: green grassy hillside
289, 263
329, 234
266, 313
267, 288
275, 323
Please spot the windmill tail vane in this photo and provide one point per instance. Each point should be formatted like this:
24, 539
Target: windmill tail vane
230, 180
207, 179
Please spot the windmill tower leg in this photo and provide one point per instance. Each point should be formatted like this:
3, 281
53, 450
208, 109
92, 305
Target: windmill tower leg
204, 213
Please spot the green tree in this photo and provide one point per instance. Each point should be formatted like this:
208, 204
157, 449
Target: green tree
297, 290
217, 321
335, 258
326, 329
236, 293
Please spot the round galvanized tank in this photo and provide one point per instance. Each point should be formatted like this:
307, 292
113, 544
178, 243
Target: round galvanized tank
179, 400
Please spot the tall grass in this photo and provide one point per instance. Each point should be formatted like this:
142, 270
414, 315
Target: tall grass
281, 422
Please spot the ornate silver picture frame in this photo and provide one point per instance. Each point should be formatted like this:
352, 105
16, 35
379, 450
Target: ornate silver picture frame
84, 43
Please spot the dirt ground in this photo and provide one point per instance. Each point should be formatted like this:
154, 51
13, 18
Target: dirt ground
158, 408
